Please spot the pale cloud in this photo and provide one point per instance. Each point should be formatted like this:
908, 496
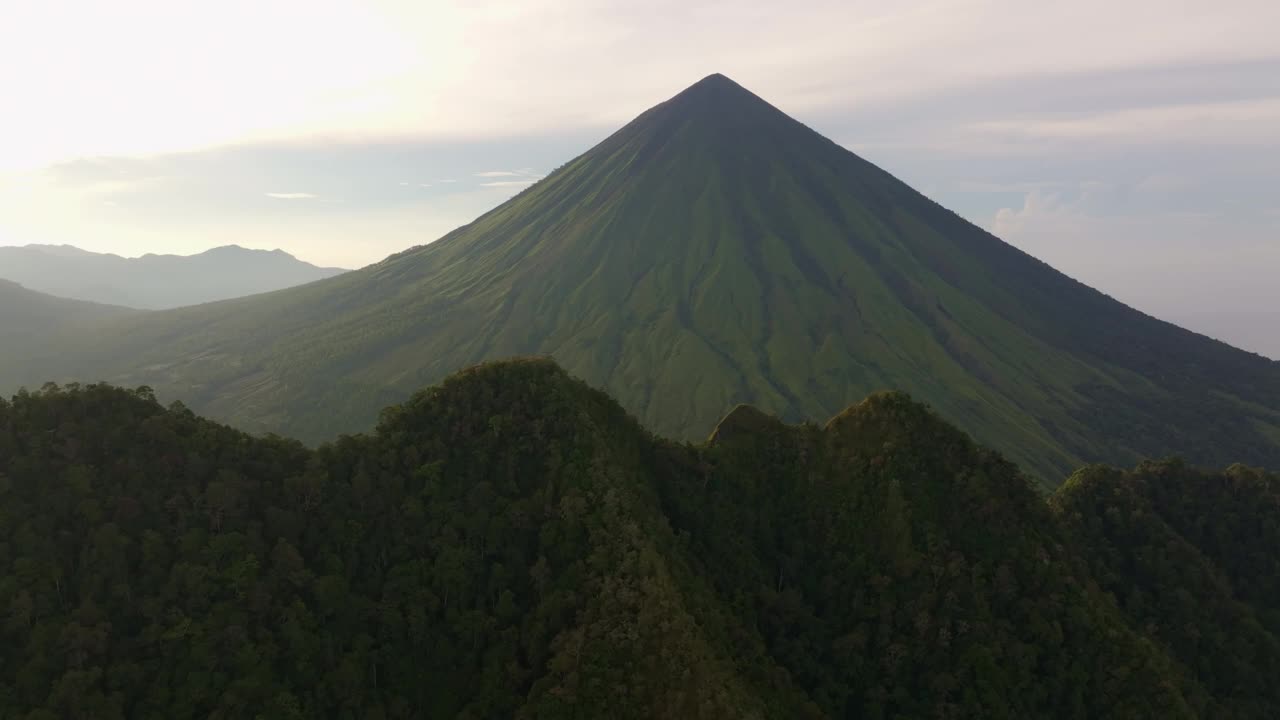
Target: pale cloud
1171, 263
1010, 222
185, 203
526, 177
458, 68
1238, 123
1165, 183
113, 97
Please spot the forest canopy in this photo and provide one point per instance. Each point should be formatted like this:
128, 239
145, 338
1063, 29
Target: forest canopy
510, 543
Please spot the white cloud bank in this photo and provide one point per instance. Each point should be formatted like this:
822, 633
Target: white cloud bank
474, 68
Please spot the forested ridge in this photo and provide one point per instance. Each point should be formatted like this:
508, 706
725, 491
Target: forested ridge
1193, 559
511, 543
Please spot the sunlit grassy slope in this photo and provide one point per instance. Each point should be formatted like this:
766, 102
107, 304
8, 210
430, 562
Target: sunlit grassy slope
713, 252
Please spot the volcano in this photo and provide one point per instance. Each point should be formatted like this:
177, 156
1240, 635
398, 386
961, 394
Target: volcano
716, 252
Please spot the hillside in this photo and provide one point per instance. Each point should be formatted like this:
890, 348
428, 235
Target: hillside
511, 544
29, 319
1191, 557
714, 252
155, 282
33, 325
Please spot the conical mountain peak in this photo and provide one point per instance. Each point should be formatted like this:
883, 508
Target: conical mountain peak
712, 129
718, 99
712, 252
716, 79
718, 85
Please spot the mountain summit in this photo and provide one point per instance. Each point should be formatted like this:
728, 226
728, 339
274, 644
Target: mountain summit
713, 252
715, 98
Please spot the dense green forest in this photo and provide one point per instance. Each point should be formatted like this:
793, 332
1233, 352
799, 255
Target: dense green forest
511, 543
712, 252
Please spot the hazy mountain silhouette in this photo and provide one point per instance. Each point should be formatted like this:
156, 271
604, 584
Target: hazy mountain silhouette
155, 282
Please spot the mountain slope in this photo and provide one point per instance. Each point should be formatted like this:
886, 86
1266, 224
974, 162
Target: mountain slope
898, 570
712, 252
155, 282
511, 544
34, 325
29, 322
24, 311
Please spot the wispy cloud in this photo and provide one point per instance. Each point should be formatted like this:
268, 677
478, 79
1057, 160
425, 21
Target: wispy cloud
499, 173
1250, 122
291, 196
510, 183
1164, 183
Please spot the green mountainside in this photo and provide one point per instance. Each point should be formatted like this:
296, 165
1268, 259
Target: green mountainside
33, 324
511, 543
714, 252
27, 314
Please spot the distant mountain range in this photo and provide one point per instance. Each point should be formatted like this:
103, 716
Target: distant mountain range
155, 282
713, 252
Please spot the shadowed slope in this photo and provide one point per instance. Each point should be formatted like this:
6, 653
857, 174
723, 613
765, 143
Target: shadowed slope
1190, 556
27, 312
31, 324
898, 570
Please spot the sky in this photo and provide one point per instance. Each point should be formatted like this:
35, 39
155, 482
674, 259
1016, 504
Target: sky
1133, 144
